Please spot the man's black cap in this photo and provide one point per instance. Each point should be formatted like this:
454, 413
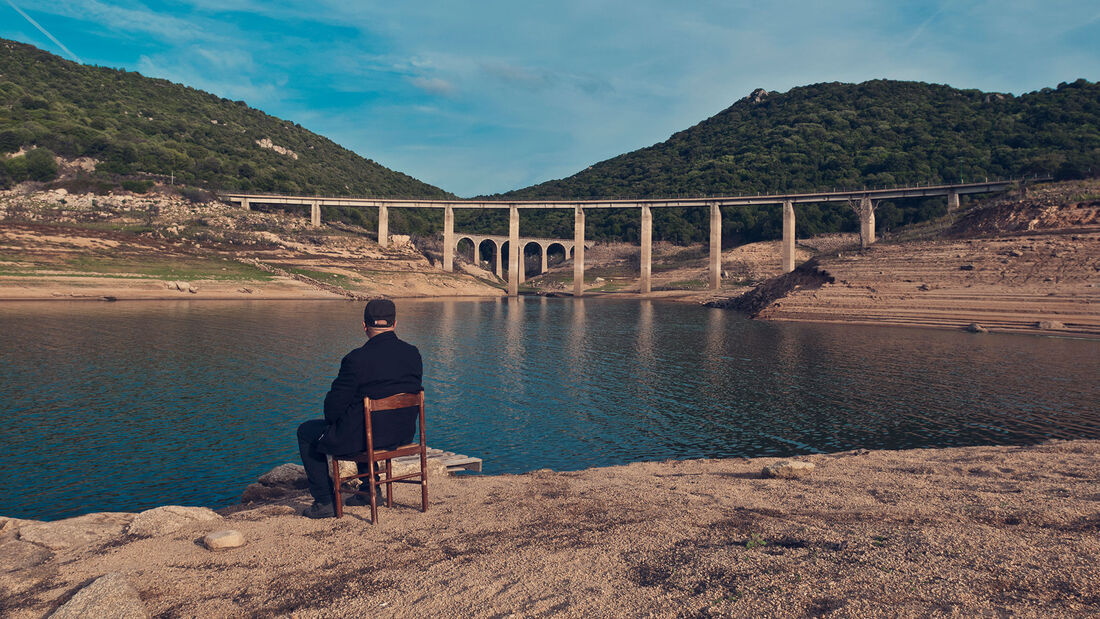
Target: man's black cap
380, 313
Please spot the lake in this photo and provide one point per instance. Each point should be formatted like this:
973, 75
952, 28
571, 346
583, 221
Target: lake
129, 405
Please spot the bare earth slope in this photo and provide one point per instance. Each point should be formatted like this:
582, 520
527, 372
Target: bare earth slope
1019, 264
1004, 284
977, 531
56, 245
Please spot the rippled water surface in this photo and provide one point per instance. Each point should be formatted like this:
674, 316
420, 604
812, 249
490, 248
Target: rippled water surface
124, 406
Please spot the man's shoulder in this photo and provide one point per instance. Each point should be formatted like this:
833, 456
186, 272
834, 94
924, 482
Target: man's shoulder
356, 353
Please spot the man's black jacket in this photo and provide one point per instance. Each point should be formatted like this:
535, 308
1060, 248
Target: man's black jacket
382, 367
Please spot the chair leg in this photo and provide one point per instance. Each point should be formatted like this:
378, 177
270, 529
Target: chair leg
373, 496
423, 482
336, 488
389, 486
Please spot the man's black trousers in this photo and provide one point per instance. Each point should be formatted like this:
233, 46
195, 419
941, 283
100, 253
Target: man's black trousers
399, 431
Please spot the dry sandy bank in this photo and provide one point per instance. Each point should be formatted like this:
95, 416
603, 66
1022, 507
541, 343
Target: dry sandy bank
978, 531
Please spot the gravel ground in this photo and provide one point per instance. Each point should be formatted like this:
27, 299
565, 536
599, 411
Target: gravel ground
976, 531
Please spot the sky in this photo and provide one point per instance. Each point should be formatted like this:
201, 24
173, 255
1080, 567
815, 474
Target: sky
483, 97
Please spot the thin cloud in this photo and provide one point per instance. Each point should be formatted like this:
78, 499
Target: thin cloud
920, 29
434, 86
45, 32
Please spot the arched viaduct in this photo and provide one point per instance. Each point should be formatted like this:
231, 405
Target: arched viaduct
863, 197
498, 242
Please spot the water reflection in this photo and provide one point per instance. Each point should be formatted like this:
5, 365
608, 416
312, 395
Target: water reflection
215, 390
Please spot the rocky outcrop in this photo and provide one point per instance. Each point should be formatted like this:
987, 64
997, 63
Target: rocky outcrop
87, 529
807, 276
108, 596
168, 519
280, 482
19, 555
289, 475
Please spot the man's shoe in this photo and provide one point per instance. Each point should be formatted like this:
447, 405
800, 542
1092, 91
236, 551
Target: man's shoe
359, 500
320, 510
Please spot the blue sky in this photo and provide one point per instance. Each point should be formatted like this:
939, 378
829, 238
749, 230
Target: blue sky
481, 97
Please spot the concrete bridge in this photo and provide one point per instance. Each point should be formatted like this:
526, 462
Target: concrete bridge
498, 242
864, 198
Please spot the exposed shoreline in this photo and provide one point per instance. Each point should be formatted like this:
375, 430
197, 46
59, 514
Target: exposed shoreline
963, 530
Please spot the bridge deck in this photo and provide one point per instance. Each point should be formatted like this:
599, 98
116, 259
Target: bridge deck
915, 191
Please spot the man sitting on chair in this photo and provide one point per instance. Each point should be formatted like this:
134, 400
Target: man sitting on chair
382, 367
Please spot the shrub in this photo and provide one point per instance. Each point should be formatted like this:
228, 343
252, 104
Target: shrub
194, 194
11, 140
136, 186
41, 165
17, 168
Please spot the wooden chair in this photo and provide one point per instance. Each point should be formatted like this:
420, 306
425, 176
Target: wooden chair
370, 456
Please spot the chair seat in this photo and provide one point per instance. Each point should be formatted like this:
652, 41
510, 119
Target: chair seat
384, 454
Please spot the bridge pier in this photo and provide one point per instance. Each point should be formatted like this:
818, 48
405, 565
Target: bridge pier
715, 246
788, 236
866, 222
384, 225
645, 286
578, 251
513, 251
449, 239
245, 205
315, 214
545, 258
498, 266
952, 201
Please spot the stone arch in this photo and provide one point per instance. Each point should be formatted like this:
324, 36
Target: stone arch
556, 253
488, 250
468, 251
530, 261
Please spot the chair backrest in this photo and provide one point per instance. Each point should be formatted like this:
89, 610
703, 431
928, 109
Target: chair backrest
401, 400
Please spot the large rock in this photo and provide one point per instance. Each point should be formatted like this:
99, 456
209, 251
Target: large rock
436, 468
9, 526
19, 555
86, 529
221, 540
788, 469
256, 493
290, 475
108, 596
168, 519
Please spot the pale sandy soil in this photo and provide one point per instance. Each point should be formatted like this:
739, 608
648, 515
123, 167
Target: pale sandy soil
1010, 283
978, 531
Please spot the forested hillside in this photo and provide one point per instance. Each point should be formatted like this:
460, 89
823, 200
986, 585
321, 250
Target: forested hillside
817, 137
140, 128
835, 135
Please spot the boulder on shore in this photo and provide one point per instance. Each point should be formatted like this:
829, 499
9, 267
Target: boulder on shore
107, 596
289, 475
168, 519
788, 469
221, 540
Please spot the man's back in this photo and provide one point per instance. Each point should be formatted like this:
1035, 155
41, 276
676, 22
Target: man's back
382, 367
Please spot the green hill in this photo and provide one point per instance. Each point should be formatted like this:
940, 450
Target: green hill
836, 135
141, 128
